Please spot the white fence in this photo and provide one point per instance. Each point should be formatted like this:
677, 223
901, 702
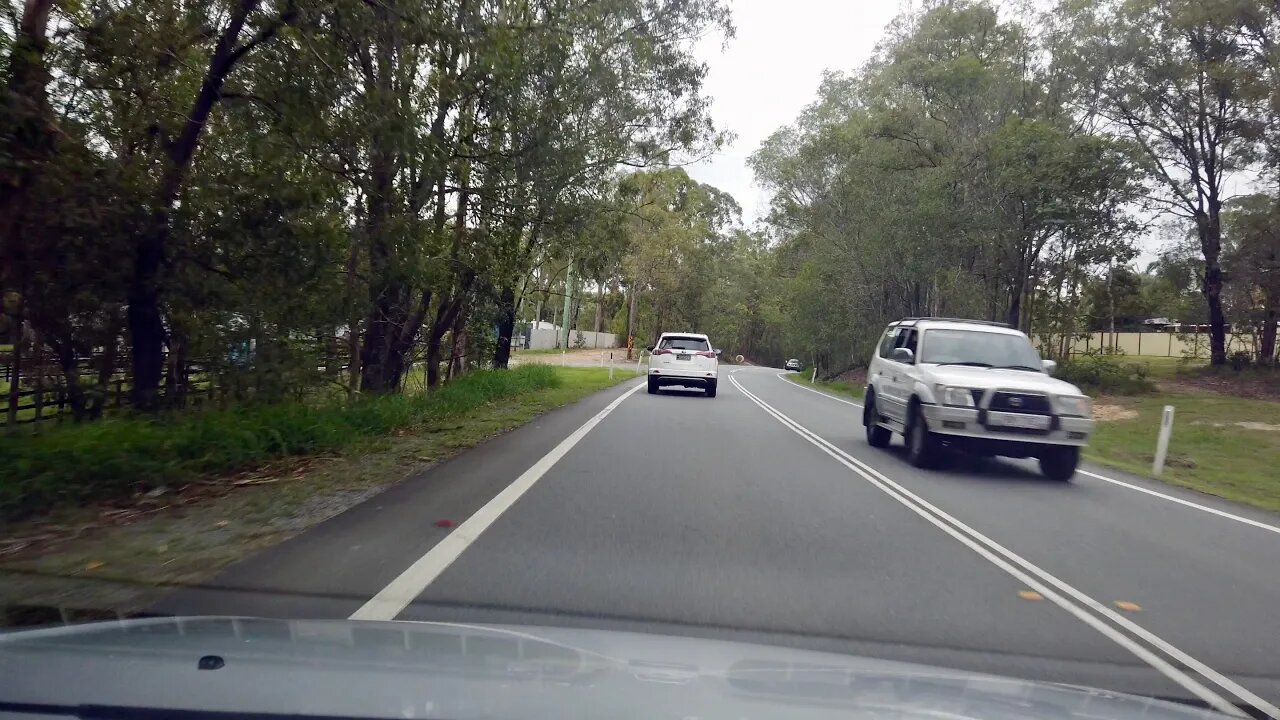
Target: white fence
545, 339
1155, 344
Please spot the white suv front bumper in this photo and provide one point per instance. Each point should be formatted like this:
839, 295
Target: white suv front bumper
992, 425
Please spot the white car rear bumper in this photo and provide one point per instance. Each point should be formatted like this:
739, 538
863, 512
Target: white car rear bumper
684, 373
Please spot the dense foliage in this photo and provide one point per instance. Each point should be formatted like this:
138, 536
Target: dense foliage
302, 191
285, 193
996, 162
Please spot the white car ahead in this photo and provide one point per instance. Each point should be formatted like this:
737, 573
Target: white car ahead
974, 386
684, 359
793, 364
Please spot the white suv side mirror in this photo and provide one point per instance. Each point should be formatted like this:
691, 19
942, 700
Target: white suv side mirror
902, 355
1050, 366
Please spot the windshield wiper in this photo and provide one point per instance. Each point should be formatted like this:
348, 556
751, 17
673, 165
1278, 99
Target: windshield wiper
1017, 367
968, 363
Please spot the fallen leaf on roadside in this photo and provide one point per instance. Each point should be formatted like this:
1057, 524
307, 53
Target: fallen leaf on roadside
94, 565
220, 523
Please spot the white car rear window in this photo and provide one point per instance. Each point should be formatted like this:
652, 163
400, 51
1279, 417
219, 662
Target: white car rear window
684, 342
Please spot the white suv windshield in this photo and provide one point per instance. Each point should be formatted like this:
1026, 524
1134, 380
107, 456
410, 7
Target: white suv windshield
685, 343
978, 348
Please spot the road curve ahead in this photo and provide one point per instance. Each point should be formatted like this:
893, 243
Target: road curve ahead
763, 515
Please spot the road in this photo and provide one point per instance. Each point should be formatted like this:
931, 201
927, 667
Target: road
763, 515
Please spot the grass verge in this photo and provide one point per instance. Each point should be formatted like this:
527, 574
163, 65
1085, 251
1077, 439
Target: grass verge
835, 387
83, 559
119, 457
1221, 445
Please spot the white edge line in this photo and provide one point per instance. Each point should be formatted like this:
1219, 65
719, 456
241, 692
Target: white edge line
1113, 481
1180, 501
396, 596
819, 392
937, 516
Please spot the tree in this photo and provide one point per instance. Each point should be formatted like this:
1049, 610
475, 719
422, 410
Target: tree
1176, 77
1253, 260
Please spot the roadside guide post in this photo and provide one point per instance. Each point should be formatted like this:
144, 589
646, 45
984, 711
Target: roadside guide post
814, 376
1162, 444
610, 366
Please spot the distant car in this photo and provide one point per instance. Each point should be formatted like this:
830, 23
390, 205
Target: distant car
974, 386
684, 359
793, 364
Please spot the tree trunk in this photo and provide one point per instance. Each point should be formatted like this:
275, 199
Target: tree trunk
1014, 316
146, 322
68, 359
15, 373
1209, 227
146, 325
1267, 351
458, 345
599, 326
353, 319
631, 318
29, 134
506, 327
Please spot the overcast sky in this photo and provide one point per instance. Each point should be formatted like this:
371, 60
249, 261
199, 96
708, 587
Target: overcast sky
770, 71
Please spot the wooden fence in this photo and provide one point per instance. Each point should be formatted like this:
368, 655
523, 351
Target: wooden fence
43, 393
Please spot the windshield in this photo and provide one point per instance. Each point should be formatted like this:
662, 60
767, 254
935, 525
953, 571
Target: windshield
978, 348
483, 312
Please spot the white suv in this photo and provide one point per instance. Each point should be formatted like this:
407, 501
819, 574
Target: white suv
974, 386
684, 359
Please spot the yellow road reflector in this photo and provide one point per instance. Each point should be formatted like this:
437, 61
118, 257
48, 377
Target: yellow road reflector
1129, 606
1030, 595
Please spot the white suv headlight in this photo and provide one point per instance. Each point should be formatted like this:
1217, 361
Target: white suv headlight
1074, 406
955, 396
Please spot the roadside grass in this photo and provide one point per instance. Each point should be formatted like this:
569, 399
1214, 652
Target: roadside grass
1221, 445
125, 566
835, 387
122, 456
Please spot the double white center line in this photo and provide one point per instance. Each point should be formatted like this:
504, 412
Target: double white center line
1156, 652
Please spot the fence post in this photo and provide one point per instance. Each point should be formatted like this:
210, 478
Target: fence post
15, 374
1162, 443
39, 377
1169, 352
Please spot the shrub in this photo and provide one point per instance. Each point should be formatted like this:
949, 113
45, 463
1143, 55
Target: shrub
113, 458
1105, 374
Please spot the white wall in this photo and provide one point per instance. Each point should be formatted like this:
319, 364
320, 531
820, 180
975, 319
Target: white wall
545, 339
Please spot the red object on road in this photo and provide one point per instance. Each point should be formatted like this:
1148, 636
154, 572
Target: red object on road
446, 524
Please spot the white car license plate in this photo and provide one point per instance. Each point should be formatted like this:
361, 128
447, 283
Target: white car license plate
1027, 422
683, 357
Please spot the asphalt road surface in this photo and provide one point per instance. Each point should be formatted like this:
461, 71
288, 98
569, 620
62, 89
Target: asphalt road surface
762, 515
